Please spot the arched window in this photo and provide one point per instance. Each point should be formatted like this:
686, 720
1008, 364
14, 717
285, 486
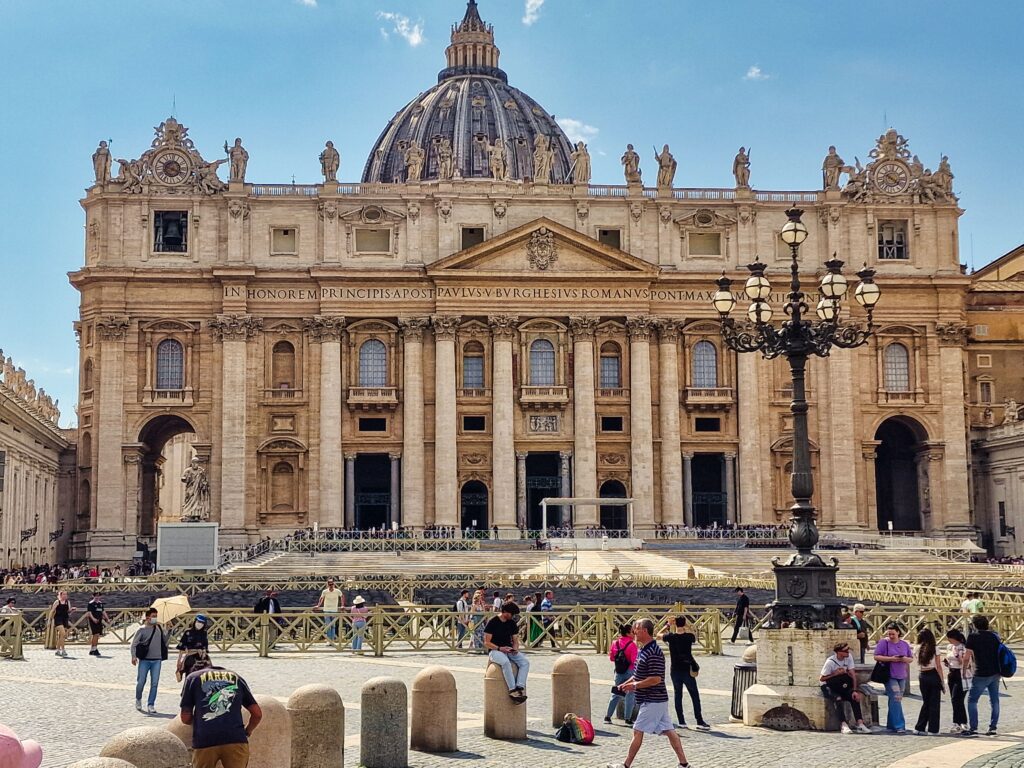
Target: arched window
283, 365
85, 500
87, 375
85, 450
896, 367
282, 487
705, 365
542, 363
170, 365
373, 364
611, 365
473, 366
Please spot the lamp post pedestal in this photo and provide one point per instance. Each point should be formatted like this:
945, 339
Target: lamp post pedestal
805, 597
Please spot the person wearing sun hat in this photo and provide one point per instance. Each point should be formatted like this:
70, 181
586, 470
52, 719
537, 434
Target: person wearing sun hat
358, 613
15, 753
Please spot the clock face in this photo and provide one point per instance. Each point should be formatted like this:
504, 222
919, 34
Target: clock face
892, 177
172, 167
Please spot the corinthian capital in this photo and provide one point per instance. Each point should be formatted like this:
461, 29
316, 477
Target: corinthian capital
445, 326
668, 329
503, 327
112, 327
640, 327
324, 327
236, 327
952, 334
413, 327
582, 327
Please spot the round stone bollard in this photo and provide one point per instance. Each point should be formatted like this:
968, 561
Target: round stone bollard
318, 727
503, 718
148, 747
270, 745
384, 724
570, 688
101, 762
435, 711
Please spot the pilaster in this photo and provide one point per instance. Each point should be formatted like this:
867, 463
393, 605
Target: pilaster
641, 435
326, 330
584, 416
668, 412
503, 467
446, 501
413, 473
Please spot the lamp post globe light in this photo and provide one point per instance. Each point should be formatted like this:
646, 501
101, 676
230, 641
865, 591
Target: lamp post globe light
805, 586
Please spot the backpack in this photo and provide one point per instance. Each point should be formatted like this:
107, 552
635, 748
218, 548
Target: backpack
1007, 661
575, 730
621, 660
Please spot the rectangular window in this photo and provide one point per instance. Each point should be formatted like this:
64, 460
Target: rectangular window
474, 423
1002, 518
704, 243
283, 242
985, 391
3, 469
473, 372
612, 237
472, 236
892, 240
702, 424
170, 232
981, 330
611, 423
984, 361
373, 425
611, 375
373, 241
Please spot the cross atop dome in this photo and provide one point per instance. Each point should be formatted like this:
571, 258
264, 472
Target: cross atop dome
472, 22
472, 50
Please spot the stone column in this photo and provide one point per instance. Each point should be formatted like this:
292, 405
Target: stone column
641, 435
446, 502
234, 332
131, 456
869, 499
503, 467
565, 487
413, 477
393, 508
107, 539
730, 487
584, 418
752, 482
521, 488
327, 330
837, 430
668, 411
688, 488
954, 514
350, 490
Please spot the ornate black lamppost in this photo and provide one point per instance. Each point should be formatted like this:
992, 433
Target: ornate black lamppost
805, 587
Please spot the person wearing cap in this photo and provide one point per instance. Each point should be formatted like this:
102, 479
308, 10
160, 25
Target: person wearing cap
212, 699
15, 753
194, 642
358, 612
97, 615
863, 629
501, 639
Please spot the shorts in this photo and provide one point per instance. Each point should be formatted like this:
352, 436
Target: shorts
653, 718
95, 627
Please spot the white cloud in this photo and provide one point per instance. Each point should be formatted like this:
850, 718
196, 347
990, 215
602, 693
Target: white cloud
403, 26
307, 3
577, 130
755, 73
532, 11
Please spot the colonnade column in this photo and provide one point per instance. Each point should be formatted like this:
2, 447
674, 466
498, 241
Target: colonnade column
521, 489
107, 542
393, 508
668, 411
954, 514
752, 482
327, 330
730, 487
688, 488
503, 466
350, 490
446, 503
413, 475
234, 331
565, 487
584, 418
641, 436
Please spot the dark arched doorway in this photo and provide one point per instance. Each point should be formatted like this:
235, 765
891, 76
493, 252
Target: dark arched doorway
163, 461
613, 516
372, 491
897, 489
474, 506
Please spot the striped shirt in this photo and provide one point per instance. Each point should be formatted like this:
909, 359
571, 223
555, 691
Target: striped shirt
650, 662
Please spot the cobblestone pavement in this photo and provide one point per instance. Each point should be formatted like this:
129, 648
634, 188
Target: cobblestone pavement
72, 706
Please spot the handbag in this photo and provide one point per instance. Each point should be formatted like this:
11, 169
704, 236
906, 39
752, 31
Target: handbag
694, 668
880, 673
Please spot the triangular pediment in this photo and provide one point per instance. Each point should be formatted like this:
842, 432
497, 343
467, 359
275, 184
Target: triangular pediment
540, 248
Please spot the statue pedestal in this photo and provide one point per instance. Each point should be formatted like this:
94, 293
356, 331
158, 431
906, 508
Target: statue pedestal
744, 193
833, 195
103, 547
787, 695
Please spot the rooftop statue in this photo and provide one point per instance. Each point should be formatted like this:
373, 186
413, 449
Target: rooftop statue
631, 165
831, 168
741, 169
414, 156
101, 163
239, 159
580, 164
330, 162
666, 168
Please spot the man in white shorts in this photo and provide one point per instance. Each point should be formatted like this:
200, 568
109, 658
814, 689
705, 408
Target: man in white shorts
648, 681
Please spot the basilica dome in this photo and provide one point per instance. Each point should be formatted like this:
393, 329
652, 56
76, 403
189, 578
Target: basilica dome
465, 115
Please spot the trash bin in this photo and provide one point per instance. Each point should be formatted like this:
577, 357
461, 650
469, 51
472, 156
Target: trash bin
743, 676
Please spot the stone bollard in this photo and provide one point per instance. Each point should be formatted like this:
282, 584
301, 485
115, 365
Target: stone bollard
435, 712
503, 718
570, 688
101, 762
270, 745
384, 724
148, 747
318, 727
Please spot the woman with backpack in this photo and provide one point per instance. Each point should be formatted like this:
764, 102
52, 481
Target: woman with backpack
623, 656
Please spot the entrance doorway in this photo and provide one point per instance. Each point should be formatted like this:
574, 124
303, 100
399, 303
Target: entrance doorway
474, 506
897, 488
167, 454
542, 480
708, 492
373, 490
613, 516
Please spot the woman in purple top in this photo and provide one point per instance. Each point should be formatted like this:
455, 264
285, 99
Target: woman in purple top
897, 652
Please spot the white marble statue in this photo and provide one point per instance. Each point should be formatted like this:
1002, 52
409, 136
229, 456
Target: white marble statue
414, 156
496, 159
445, 160
631, 165
330, 162
239, 160
195, 505
741, 169
831, 167
666, 168
101, 163
580, 164
543, 159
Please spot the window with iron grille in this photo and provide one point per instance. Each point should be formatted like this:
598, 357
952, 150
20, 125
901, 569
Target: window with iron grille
896, 365
705, 365
373, 364
473, 366
170, 365
611, 366
892, 240
542, 363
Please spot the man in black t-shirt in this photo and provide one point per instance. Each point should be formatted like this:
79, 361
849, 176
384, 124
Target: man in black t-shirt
212, 699
501, 639
983, 649
97, 615
743, 616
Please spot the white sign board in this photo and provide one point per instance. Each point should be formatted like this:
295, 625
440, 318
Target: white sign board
187, 546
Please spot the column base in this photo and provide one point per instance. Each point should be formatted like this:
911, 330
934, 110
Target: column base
103, 547
797, 708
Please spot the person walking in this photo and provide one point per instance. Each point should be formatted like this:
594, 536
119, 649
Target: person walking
358, 613
501, 639
194, 641
983, 652
932, 682
477, 612
648, 681
681, 668
462, 607
958, 678
332, 600
536, 625
839, 685
860, 624
743, 615
149, 651
623, 656
546, 607
60, 615
897, 653
212, 700
97, 615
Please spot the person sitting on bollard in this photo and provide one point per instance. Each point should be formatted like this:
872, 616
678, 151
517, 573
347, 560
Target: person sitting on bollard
839, 685
623, 655
501, 639
212, 699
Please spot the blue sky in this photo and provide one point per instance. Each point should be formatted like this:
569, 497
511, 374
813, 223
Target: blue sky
786, 78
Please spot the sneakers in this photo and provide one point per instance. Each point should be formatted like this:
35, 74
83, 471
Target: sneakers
682, 724
151, 710
138, 704
862, 728
630, 722
702, 726
844, 728
56, 653
968, 732
94, 652
990, 732
956, 728
920, 733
